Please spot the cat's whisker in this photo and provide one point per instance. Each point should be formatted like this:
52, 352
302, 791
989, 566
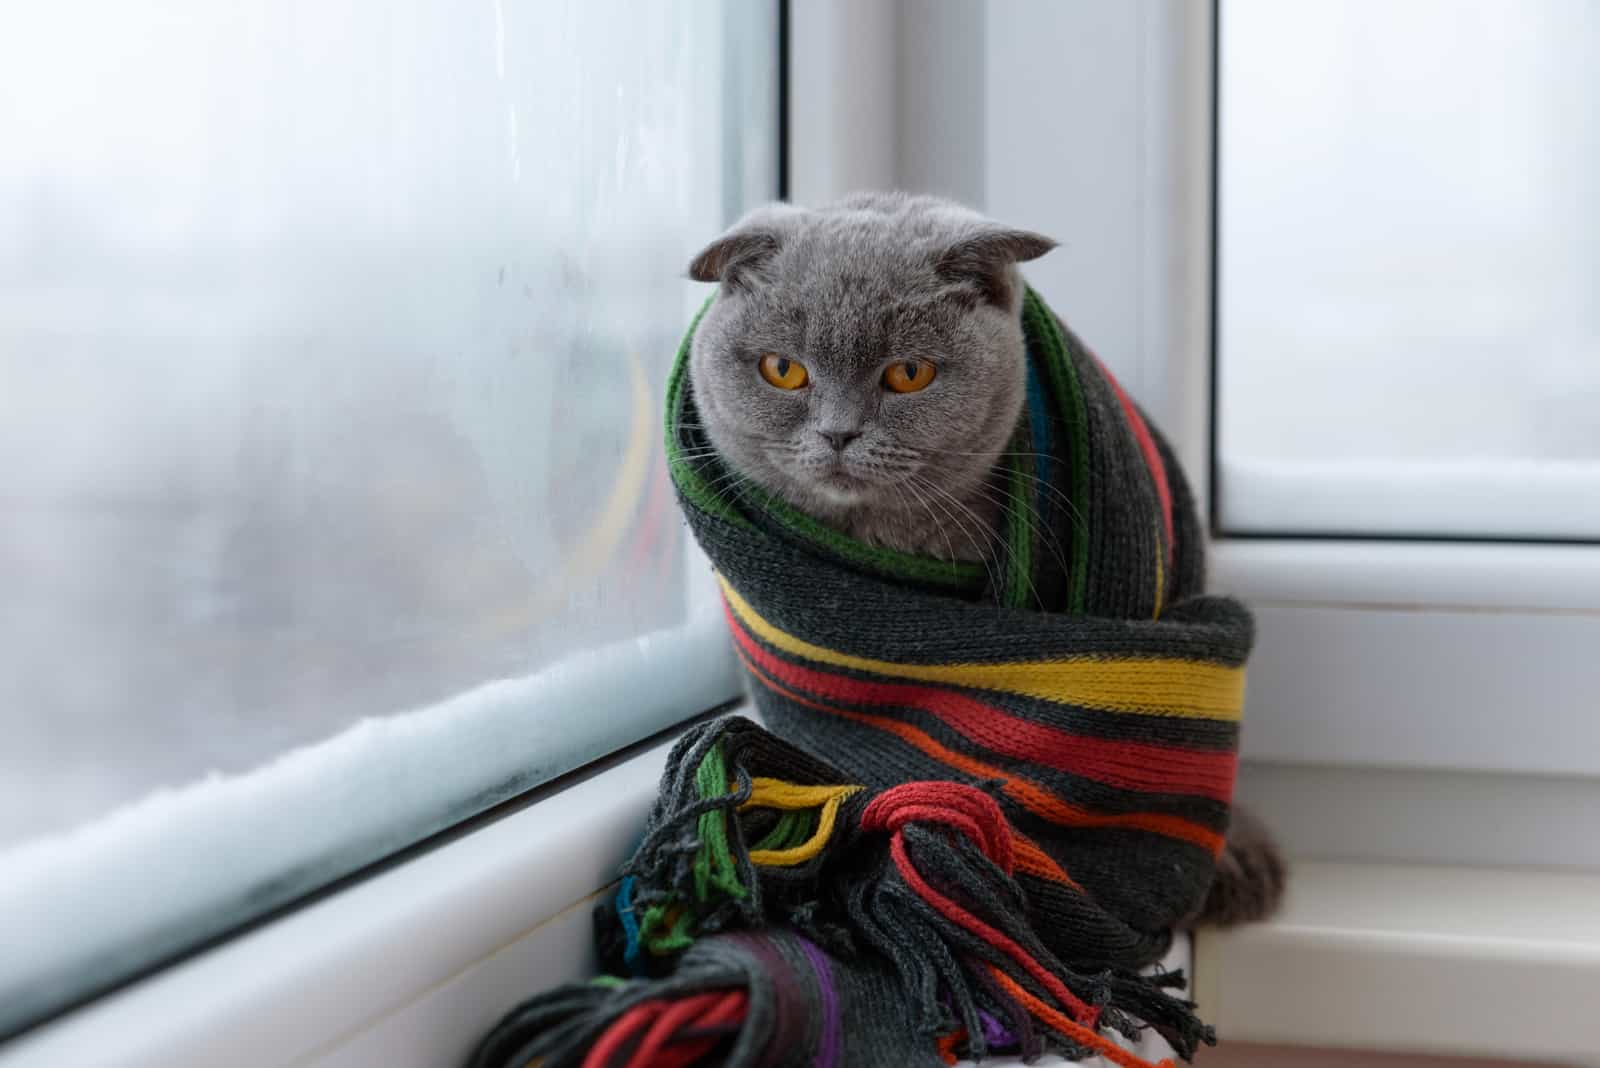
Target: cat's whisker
1035, 523
730, 483
1055, 493
976, 452
1046, 536
1000, 540
920, 456
978, 542
912, 490
1048, 486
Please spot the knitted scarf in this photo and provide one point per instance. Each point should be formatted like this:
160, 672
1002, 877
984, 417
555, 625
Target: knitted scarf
988, 793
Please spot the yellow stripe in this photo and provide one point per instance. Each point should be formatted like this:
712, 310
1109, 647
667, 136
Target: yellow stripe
1160, 686
775, 793
792, 797
1161, 575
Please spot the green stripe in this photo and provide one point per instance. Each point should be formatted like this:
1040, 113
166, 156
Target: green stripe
1041, 327
792, 829
714, 867
1019, 533
686, 474
954, 573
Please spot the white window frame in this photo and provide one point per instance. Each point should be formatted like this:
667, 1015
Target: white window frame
1094, 123
1414, 707
1422, 661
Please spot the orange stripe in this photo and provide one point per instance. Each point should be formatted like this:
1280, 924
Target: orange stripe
1128, 765
1069, 1027
1031, 860
1029, 795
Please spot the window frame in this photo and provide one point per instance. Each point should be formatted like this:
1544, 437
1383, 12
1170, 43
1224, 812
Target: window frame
1432, 630
1445, 606
206, 1000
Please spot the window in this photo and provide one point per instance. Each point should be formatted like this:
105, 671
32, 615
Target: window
333, 338
1408, 340
1398, 632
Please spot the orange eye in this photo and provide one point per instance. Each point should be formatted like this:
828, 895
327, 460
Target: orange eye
908, 376
783, 372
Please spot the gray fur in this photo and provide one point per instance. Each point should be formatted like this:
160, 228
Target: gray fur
846, 290
1251, 877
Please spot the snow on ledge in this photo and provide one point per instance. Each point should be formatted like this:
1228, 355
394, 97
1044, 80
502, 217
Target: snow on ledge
87, 908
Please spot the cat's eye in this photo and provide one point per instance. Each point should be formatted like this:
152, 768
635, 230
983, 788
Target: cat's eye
908, 376
783, 372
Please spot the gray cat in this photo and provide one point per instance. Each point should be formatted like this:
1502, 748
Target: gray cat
811, 375
853, 287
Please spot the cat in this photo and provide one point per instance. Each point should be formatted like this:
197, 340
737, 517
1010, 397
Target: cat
811, 373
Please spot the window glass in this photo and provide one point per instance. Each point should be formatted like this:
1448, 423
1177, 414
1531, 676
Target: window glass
332, 339
1408, 335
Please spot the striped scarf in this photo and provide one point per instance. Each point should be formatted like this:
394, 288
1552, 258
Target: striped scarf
989, 791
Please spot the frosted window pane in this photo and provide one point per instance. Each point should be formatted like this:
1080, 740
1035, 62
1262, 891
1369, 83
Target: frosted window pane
332, 341
1409, 252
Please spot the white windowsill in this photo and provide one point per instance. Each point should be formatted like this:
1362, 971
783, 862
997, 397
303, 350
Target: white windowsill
146, 880
1405, 958
410, 966
406, 968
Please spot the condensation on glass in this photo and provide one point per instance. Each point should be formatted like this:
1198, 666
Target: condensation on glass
1409, 257
332, 340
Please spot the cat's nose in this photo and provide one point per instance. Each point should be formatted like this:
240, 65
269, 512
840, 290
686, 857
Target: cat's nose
840, 438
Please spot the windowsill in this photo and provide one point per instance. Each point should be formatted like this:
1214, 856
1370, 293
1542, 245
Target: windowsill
93, 905
1405, 958
408, 967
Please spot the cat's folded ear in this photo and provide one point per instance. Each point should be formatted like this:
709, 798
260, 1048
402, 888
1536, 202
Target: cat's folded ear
985, 259
735, 259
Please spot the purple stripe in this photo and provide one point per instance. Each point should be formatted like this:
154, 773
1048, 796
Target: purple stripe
793, 1007
995, 1032
828, 1049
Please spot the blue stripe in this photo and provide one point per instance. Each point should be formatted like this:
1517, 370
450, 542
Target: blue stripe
630, 925
1039, 428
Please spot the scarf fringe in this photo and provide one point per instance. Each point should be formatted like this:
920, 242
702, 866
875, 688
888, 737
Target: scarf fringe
918, 878
949, 915
693, 1019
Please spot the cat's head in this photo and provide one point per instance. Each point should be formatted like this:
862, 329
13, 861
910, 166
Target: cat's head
859, 350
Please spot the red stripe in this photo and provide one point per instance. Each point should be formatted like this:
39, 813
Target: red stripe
1138, 766
1086, 1014
1025, 792
1152, 455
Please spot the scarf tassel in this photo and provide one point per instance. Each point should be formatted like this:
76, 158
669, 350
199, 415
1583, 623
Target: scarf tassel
912, 890
946, 911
